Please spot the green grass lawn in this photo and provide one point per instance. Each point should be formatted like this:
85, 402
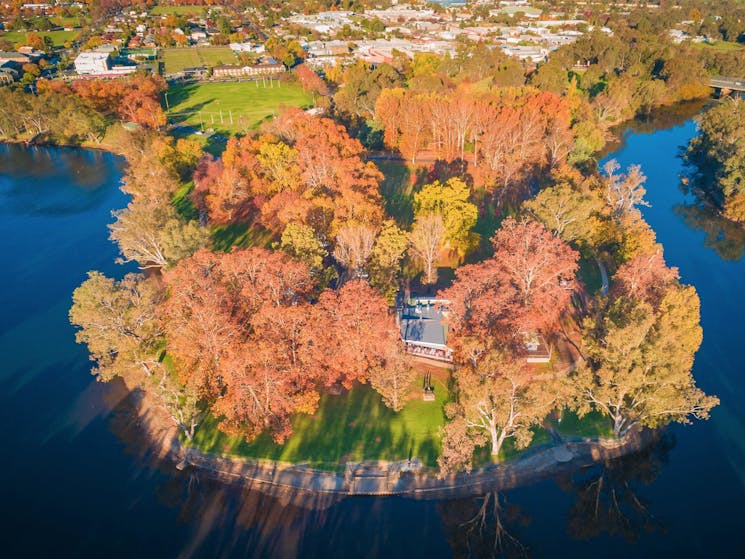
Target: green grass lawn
177, 10
240, 235
216, 56
176, 59
350, 427
397, 191
248, 103
58, 37
592, 425
70, 21
482, 455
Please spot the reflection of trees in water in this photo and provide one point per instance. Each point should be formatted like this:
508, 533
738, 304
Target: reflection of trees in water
662, 118
483, 526
607, 501
722, 235
82, 167
265, 520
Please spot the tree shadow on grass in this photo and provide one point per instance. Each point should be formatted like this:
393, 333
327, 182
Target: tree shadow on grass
355, 426
397, 191
240, 235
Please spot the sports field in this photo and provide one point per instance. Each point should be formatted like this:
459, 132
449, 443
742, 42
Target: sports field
58, 37
176, 59
232, 106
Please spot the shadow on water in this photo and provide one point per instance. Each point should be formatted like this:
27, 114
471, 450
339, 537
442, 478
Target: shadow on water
607, 498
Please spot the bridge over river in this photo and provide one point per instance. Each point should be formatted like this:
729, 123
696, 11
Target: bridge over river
732, 84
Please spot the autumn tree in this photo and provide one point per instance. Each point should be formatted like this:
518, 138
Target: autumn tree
719, 160
272, 379
426, 238
385, 260
359, 316
644, 277
300, 242
198, 318
310, 81
535, 263
234, 325
639, 363
354, 244
118, 323
304, 169
222, 193
572, 213
155, 236
624, 191
523, 287
393, 377
451, 201
458, 444
501, 400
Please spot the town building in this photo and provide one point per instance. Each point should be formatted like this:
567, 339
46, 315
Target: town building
98, 63
92, 63
250, 70
423, 325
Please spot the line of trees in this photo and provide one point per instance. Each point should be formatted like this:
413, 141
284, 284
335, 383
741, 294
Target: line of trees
506, 134
718, 156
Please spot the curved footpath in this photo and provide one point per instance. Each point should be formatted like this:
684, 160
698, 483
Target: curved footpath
406, 478
395, 478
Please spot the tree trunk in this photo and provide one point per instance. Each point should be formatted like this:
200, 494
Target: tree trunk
496, 440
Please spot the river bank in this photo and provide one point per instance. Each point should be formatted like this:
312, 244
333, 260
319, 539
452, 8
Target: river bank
404, 478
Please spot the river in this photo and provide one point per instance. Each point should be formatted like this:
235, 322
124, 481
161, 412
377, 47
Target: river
78, 480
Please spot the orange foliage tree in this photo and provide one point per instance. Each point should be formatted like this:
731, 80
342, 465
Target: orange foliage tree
307, 170
523, 287
135, 99
243, 334
507, 133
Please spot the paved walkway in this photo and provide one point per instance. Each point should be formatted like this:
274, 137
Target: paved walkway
392, 478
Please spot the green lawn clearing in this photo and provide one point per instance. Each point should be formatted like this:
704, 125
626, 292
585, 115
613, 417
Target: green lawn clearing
350, 427
59, 38
593, 425
240, 235
176, 59
232, 107
482, 455
723, 46
397, 191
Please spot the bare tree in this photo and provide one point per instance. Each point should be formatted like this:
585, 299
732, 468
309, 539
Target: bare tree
626, 190
354, 244
427, 237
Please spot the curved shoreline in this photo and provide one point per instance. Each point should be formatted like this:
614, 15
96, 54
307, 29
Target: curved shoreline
387, 479
381, 478
375, 478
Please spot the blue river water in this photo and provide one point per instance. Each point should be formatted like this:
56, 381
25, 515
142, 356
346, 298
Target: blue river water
78, 480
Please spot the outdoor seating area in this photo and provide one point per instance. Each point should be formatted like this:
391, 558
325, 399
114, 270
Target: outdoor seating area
438, 354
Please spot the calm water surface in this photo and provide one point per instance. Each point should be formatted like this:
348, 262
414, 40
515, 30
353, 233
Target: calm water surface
78, 481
